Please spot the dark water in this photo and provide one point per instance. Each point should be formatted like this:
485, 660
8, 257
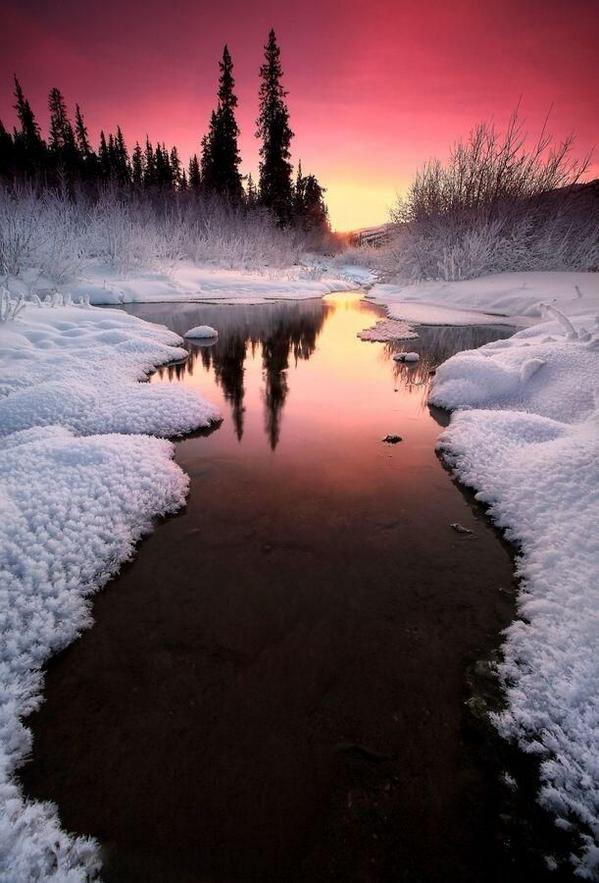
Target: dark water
275, 688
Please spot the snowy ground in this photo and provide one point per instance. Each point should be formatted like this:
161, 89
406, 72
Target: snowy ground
185, 281
490, 299
526, 437
76, 494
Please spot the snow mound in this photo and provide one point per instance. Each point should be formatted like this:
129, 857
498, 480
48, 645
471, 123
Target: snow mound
519, 296
387, 329
531, 449
71, 510
202, 332
80, 368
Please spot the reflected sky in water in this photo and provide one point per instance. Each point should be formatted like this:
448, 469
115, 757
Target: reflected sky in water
278, 366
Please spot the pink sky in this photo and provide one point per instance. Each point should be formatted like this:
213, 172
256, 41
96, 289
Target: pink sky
375, 86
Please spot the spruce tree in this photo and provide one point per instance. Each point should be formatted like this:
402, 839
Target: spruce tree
251, 197
314, 211
159, 164
62, 137
206, 161
175, 167
81, 133
195, 178
137, 169
30, 149
122, 169
104, 156
298, 192
275, 187
88, 160
220, 152
149, 165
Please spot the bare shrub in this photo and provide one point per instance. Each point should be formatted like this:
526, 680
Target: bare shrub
496, 205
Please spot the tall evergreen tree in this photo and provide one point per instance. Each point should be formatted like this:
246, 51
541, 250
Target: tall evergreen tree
315, 214
149, 165
88, 160
275, 187
62, 137
195, 178
137, 168
220, 151
122, 169
175, 163
30, 149
63, 147
82, 135
161, 165
298, 192
104, 156
251, 196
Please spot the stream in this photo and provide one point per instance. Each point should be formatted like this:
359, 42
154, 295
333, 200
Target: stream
279, 686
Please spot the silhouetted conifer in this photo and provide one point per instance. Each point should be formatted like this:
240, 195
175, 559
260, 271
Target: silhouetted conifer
251, 197
81, 133
62, 137
149, 165
309, 208
315, 214
137, 168
220, 152
195, 178
121, 167
30, 149
104, 156
175, 164
275, 188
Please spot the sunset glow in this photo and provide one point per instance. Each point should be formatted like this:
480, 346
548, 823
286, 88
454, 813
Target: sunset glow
373, 87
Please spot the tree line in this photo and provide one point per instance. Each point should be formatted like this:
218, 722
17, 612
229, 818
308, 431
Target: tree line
68, 158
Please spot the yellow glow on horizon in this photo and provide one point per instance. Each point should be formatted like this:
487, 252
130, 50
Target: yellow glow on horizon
353, 205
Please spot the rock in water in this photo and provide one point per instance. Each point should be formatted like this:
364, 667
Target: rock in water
406, 357
201, 332
459, 528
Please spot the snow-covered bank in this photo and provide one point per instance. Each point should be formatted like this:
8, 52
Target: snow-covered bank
74, 503
490, 299
526, 437
186, 281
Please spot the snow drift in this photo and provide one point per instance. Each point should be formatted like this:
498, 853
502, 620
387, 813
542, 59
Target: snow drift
525, 435
75, 497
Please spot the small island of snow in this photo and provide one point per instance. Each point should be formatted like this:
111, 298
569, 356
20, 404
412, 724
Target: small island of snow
202, 332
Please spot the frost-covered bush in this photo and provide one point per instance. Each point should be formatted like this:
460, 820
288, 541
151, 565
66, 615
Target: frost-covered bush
10, 307
496, 205
59, 233
18, 228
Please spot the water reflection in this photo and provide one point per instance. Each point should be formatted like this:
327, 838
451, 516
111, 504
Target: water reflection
275, 338
434, 345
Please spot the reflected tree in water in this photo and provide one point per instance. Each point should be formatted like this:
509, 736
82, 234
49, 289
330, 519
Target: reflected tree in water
280, 331
228, 362
297, 337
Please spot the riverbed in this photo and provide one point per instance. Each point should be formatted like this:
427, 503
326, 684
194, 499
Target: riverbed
280, 686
